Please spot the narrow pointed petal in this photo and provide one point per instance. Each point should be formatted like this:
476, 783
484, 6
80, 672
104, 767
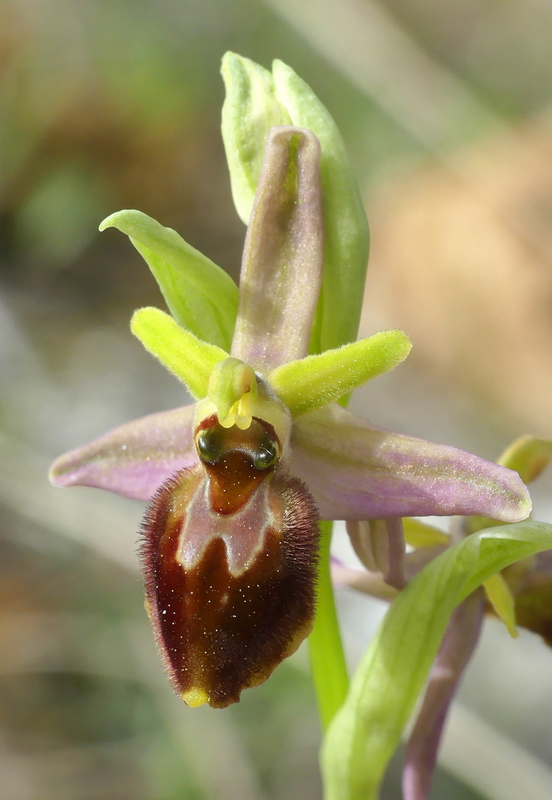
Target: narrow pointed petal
317, 380
357, 471
200, 295
283, 256
456, 650
134, 459
190, 359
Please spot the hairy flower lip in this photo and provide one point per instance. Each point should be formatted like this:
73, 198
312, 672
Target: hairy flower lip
226, 612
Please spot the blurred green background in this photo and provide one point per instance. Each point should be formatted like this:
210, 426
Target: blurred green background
107, 105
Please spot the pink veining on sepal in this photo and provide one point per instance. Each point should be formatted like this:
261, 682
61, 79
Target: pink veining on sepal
356, 470
458, 645
134, 459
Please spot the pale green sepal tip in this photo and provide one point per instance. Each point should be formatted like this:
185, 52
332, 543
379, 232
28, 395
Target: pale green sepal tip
346, 225
396, 665
199, 294
190, 359
249, 111
312, 382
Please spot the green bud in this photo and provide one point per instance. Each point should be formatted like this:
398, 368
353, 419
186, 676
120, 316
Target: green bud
248, 113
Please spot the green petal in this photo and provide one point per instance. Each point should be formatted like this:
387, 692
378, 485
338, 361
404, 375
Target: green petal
346, 226
314, 381
200, 295
249, 111
182, 353
393, 671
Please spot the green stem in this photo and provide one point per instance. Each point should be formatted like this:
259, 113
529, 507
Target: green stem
329, 669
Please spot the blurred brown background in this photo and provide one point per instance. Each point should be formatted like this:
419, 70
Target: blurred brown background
446, 110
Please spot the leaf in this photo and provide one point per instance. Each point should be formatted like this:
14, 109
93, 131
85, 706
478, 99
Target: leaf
201, 296
394, 669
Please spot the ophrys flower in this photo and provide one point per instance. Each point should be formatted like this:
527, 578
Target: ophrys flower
239, 479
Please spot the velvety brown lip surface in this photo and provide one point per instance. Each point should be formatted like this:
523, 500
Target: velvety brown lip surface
219, 633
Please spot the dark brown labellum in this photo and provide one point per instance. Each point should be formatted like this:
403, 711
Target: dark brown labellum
229, 556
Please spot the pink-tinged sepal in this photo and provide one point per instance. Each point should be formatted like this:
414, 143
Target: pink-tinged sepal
358, 471
133, 459
229, 557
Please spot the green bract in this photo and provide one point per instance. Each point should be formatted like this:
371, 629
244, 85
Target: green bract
393, 671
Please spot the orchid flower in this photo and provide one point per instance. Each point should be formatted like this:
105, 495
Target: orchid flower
520, 595
238, 480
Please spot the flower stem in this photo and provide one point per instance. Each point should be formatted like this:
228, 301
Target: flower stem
329, 669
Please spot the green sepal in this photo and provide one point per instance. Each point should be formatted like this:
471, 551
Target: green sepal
190, 359
249, 111
312, 382
394, 669
346, 226
201, 296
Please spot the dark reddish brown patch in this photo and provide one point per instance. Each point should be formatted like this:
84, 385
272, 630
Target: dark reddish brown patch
220, 633
233, 475
232, 481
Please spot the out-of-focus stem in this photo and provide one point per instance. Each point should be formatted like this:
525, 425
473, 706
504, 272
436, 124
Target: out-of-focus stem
329, 669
